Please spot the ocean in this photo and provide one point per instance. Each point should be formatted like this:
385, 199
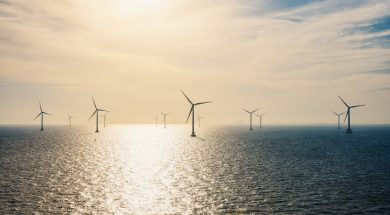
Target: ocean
141, 169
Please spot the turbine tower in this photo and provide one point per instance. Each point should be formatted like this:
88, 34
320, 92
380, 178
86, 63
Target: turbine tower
70, 120
349, 130
41, 114
104, 119
165, 118
260, 118
199, 117
193, 112
97, 115
250, 117
338, 117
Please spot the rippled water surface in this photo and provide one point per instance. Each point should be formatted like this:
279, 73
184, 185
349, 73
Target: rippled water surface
148, 170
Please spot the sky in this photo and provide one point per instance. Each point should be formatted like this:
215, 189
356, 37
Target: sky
292, 59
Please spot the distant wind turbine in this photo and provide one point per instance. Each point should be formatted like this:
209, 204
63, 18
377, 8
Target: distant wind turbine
199, 117
250, 117
97, 114
104, 119
338, 117
260, 118
193, 112
165, 118
70, 120
349, 130
41, 114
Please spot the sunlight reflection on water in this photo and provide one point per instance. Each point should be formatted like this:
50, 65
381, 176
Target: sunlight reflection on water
146, 170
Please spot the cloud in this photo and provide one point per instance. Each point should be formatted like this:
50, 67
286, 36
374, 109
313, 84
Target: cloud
308, 48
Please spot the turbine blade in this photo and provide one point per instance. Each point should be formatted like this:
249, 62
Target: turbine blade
262, 114
192, 109
47, 113
246, 111
103, 110
344, 102
38, 115
40, 106
255, 110
92, 115
357, 106
342, 113
94, 104
335, 113
346, 116
167, 114
199, 103
162, 113
186, 97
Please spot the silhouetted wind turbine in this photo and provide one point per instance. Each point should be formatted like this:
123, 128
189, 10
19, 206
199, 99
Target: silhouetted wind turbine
260, 118
97, 115
193, 112
104, 119
338, 117
70, 120
165, 118
41, 114
250, 116
349, 130
199, 117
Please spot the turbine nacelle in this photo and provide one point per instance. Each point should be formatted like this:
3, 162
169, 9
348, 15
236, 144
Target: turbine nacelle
96, 109
338, 114
193, 105
42, 112
164, 114
260, 115
251, 112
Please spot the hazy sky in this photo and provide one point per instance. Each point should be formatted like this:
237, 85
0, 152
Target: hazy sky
290, 58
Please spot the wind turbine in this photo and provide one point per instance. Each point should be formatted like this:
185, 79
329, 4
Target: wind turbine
338, 117
104, 119
193, 112
97, 115
70, 120
349, 130
260, 118
250, 116
199, 117
165, 118
41, 114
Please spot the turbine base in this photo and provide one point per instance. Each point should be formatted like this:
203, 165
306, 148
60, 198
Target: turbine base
193, 135
349, 131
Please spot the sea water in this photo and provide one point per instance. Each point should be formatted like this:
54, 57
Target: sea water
141, 169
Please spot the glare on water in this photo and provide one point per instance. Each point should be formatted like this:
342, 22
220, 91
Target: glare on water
140, 169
